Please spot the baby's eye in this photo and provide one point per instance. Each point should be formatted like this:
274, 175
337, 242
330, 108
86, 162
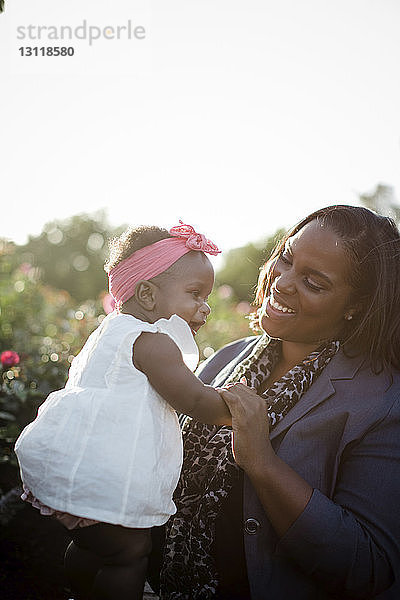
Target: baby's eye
195, 293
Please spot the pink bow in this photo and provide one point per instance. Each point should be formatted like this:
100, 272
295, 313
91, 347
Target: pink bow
194, 240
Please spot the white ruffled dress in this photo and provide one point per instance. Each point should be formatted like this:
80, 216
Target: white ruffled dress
108, 447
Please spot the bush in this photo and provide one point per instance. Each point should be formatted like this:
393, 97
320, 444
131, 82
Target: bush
44, 330
227, 322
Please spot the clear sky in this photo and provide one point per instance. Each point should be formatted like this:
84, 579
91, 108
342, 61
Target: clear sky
236, 116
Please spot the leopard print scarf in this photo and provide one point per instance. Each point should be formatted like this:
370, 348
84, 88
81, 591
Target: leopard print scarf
209, 471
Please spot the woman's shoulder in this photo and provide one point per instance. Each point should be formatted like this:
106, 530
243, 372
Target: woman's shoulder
233, 352
354, 375
357, 366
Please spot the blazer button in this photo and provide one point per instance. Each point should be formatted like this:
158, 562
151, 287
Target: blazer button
251, 526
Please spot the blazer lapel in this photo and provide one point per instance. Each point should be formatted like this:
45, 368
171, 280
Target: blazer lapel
340, 367
223, 375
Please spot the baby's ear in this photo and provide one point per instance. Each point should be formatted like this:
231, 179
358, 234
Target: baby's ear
145, 294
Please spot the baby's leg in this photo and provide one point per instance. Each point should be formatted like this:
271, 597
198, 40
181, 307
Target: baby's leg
81, 567
123, 553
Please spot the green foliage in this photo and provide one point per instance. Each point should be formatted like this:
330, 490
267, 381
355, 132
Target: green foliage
228, 321
70, 254
46, 329
382, 200
1, 6
242, 265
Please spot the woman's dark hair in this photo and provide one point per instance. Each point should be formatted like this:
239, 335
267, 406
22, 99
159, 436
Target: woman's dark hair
372, 244
131, 240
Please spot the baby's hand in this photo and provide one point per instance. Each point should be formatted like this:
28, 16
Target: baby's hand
243, 381
249, 423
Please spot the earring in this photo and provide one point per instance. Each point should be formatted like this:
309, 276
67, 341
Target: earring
348, 317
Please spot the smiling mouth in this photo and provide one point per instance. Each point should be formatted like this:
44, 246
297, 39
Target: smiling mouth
280, 307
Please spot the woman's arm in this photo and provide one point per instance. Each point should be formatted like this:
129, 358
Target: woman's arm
158, 357
350, 542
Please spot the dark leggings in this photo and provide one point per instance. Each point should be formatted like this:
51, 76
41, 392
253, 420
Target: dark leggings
105, 562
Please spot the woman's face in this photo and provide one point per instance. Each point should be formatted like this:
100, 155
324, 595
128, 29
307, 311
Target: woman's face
309, 296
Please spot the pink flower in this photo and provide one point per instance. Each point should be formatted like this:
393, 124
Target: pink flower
108, 303
25, 268
243, 308
9, 358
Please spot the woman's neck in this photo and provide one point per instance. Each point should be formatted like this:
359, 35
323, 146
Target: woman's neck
292, 353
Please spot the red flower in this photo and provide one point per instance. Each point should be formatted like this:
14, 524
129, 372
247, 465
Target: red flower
9, 358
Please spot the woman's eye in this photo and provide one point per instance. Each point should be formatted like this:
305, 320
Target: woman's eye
286, 258
195, 293
312, 286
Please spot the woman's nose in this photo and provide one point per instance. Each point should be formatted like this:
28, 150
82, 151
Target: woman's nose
285, 282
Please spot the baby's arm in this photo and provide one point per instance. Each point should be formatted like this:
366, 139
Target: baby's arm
158, 357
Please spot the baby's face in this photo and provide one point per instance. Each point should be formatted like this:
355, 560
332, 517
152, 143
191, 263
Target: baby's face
185, 288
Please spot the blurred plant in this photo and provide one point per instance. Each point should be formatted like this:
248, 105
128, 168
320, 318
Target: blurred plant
241, 266
383, 201
227, 322
41, 329
70, 254
1, 6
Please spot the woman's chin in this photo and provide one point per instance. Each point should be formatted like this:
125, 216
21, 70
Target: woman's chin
272, 327
265, 325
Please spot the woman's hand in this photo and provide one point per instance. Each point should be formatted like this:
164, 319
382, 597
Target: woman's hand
282, 492
251, 445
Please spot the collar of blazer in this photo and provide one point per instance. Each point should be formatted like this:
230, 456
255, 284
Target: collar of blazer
340, 367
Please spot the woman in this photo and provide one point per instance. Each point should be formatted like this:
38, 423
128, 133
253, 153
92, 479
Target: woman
307, 505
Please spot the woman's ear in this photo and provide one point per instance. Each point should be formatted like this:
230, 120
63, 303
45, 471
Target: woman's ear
145, 294
353, 311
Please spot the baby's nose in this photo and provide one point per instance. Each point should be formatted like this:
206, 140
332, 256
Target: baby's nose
205, 308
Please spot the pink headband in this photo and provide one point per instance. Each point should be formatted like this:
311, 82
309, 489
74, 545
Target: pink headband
155, 259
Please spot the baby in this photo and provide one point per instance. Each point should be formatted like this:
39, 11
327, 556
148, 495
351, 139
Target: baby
104, 453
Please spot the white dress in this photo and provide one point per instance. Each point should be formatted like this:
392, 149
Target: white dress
107, 446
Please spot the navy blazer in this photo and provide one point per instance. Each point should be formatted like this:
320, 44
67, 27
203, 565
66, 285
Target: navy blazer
343, 438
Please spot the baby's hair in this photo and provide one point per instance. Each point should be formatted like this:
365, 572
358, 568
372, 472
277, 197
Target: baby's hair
131, 240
